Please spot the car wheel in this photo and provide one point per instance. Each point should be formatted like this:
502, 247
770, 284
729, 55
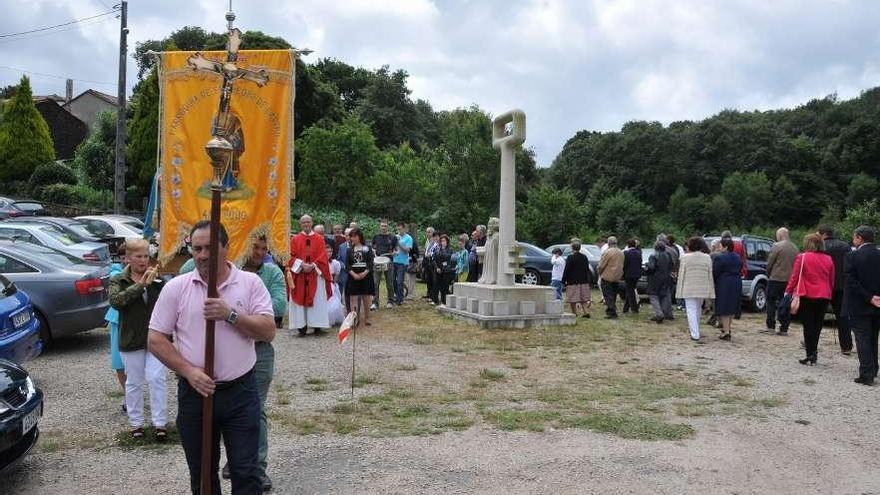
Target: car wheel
45, 331
759, 298
531, 277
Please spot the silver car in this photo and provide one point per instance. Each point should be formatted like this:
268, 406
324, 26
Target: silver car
51, 236
69, 295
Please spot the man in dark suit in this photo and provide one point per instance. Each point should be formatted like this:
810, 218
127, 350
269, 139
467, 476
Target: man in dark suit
862, 300
838, 250
632, 270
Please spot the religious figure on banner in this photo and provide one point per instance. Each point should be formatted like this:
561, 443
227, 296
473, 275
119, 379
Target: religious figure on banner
227, 144
310, 280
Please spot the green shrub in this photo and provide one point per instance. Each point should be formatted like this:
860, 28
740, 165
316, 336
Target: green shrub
50, 173
867, 213
60, 194
331, 216
93, 198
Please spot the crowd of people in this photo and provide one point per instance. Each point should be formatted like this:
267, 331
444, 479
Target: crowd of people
330, 275
706, 279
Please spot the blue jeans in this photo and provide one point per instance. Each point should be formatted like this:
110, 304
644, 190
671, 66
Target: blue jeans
399, 275
263, 372
557, 284
237, 417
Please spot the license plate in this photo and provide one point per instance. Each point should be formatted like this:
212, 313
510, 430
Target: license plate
29, 421
21, 319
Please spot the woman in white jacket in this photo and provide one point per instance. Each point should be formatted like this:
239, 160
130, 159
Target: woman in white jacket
695, 282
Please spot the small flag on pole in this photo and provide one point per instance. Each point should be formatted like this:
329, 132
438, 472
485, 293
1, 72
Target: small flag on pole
347, 326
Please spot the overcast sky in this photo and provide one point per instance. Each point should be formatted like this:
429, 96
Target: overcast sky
570, 65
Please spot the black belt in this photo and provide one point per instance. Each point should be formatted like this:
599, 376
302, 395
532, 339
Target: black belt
231, 383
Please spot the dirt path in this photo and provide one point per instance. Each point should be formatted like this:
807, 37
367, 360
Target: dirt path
818, 433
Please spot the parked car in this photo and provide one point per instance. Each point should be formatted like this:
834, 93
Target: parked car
52, 236
21, 407
113, 225
591, 251
119, 227
68, 294
10, 208
19, 328
754, 290
538, 268
78, 231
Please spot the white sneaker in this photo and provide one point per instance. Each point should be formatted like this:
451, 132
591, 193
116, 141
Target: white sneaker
389, 306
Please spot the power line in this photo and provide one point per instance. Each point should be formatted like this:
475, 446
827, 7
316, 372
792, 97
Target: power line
57, 25
23, 71
52, 33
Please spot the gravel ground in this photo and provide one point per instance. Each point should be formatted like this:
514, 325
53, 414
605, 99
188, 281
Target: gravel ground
822, 440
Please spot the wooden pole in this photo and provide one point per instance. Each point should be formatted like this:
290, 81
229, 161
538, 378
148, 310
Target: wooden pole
208, 402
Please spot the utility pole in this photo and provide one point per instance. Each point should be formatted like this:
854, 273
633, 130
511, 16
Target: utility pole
119, 172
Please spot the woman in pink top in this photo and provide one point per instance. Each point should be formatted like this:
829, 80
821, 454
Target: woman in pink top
812, 278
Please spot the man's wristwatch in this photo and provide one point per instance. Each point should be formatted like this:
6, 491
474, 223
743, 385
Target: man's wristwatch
232, 319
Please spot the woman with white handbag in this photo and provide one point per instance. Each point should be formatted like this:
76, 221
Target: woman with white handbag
810, 286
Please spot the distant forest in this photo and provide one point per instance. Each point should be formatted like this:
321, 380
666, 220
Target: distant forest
735, 169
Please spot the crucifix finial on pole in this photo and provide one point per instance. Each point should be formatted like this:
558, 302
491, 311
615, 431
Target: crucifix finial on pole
227, 136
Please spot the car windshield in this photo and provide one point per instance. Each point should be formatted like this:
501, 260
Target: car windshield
80, 229
58, 235
135, 226
28, 206
646, 253
594, 250
45, 255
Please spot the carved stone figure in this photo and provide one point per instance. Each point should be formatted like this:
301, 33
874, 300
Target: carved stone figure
490, 259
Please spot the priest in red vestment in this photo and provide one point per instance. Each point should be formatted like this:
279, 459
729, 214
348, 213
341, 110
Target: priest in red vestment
310, 280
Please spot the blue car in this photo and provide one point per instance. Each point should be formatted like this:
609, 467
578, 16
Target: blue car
19, 328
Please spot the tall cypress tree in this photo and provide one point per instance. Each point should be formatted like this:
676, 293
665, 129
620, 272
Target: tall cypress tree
24, 136
143, 133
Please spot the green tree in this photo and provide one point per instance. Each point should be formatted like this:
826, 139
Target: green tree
470, 171
387, 108
751, 194
624, 215
143, 135
24, 136
549, 216
862, 187
404, 185
95, 158
786, 201
337, 164
601, 189
350, 82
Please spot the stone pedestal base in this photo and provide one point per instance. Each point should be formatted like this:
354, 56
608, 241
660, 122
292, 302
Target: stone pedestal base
520, 306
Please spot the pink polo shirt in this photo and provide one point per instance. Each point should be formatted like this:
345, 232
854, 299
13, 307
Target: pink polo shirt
179, 311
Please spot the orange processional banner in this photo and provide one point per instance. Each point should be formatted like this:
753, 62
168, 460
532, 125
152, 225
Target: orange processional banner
260, 182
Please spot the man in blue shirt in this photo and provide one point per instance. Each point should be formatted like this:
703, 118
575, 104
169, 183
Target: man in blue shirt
401, 261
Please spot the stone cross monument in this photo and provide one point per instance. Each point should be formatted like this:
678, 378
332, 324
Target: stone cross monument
496, 301
507, 143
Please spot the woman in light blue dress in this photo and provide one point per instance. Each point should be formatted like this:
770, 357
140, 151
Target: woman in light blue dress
112, 318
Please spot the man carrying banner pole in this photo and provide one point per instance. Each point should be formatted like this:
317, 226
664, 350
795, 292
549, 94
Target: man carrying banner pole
255, 191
